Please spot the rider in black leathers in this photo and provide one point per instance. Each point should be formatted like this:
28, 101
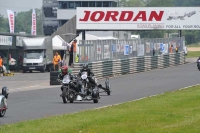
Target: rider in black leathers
90, 74
75, 85
198, 62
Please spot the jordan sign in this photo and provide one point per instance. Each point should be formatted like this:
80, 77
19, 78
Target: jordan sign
145, 18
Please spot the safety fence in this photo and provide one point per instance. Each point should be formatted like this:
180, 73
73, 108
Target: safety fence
133, 64
101, 50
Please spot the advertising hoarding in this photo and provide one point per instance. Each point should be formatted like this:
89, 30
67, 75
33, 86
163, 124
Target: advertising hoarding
141, 18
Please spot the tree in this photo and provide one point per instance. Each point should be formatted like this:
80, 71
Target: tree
24, 22
131, 3
159, 3
4, 26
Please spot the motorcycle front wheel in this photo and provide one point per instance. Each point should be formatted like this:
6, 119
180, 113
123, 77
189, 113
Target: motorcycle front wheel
64, 97
2, 113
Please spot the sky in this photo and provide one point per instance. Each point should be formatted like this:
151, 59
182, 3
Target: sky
18, 5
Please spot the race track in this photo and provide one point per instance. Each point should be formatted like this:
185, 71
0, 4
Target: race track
25, 105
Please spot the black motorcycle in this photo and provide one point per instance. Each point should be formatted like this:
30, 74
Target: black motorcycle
3, 103
71, 93
91, 91
198, 65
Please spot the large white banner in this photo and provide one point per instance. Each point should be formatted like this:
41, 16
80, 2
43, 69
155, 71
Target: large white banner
19, 41
134, 46
98, 49
147, 47
138, 18
106, 52
118, 48
11, 20
6, 40
140, 50
34, 26
166, 49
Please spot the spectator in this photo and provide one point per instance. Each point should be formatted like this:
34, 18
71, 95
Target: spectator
153, 51
170, 49
56, 60
176, 49
71, 52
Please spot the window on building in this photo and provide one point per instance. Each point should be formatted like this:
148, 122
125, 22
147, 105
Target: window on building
64, 5
62, 22
114, 4
71, 4
77, 4
98, 4
106, 4
91, 4
84, 4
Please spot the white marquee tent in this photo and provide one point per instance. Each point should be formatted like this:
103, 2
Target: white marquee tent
59, 43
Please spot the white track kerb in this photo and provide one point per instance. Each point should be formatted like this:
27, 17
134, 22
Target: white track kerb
145, 97
132, 100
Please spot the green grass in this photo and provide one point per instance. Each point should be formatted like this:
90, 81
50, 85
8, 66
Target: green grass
177, 112
193, 45
191, 54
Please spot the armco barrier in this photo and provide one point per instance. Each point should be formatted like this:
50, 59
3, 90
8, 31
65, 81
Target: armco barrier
133, 65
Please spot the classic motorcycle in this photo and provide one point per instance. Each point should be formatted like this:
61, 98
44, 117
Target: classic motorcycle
5, 92
198, 64
70, 93
3, 103
87, 85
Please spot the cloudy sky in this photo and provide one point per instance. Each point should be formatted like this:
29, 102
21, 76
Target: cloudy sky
18, 5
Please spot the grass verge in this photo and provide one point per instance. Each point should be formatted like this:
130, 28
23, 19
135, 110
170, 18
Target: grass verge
193, 45
170, 112
191, 54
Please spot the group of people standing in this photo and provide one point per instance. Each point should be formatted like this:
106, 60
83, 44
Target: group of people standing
58, 62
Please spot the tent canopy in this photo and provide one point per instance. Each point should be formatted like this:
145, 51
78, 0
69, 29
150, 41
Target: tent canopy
59, 43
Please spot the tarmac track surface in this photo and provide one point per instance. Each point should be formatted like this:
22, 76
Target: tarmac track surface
25, 105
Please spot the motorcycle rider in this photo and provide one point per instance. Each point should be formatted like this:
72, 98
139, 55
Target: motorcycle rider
198, 62
64, 71
85, 68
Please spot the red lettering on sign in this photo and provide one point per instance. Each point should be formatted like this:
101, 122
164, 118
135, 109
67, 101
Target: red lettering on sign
87, 14
141, 15
97, 16
123, 14
158, 17
112, 15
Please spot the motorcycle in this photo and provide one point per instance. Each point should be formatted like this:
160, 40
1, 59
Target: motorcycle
5, 92
198, 64
85, 81
3, 103
88, 88
70, 93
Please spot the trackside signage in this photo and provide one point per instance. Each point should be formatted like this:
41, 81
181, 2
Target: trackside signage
143, 18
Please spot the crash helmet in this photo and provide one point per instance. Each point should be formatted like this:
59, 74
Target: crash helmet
64, 69
85, 66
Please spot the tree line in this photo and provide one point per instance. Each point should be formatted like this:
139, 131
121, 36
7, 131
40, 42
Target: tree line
23, 22
23, 19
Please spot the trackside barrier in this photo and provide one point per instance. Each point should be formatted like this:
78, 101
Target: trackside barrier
127, 66
102, 50
133, 65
